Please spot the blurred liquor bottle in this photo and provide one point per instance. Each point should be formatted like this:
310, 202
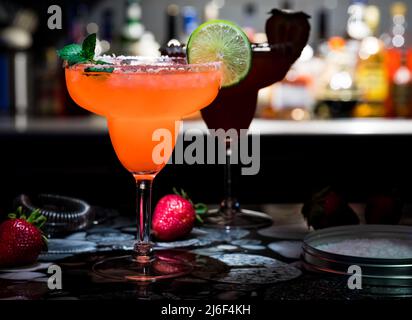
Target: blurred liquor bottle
336, 91
16, 60
286, 5
322, 30
212, 9
290, 99
51, 77
172, 16
357, 27
399, 102
249, 18
50, 95
78, 16
293, 98
190, 19
106, 37
371, 74
6, 80
133, 28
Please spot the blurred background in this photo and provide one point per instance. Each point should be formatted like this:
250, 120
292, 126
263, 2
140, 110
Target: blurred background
357, 65
358, 62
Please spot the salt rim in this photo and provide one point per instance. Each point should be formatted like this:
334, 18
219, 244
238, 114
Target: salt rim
141, 64
267, 47
139, 60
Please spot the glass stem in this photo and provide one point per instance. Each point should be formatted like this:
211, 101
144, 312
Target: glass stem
228, 170
143, 247
229, 206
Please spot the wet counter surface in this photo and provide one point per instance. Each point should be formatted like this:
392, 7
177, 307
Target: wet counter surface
260, 265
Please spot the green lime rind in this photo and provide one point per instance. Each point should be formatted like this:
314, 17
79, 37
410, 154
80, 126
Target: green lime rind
221, 40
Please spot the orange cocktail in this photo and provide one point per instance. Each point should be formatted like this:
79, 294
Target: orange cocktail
139, 97
137, 100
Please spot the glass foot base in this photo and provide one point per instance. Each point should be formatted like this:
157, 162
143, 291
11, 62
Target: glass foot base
248, 219
125, 268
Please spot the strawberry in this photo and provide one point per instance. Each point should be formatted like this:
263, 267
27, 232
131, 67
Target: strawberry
174, 216
328, 208
383, 208
288, 28
21, 239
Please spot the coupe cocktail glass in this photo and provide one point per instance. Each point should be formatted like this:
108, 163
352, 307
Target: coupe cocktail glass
137, 98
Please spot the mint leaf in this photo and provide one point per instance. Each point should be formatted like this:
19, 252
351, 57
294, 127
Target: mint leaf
88, 46
99, 69
69, 51
75, 53
76, 59
72, 53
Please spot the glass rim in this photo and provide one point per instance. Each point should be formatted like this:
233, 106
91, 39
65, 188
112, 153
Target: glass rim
140, 64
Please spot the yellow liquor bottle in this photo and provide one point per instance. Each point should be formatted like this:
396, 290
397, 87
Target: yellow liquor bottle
371, 74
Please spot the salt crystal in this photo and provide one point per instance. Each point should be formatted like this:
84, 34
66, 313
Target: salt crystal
371, 248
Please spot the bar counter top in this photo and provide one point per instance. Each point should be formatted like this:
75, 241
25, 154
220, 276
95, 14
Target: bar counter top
97, 125
244, 279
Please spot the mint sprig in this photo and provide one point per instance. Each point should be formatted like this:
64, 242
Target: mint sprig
75, 53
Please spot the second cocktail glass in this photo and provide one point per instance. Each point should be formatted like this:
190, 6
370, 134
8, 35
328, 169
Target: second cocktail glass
235, 106
234, 109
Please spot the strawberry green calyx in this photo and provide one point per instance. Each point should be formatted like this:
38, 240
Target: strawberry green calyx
200, 208
35, 218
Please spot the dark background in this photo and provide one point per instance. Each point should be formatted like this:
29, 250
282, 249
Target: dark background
292, 166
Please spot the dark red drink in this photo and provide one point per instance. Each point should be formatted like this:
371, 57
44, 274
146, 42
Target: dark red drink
235, 106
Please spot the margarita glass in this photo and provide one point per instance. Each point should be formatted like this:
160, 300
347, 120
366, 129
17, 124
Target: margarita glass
138, 97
